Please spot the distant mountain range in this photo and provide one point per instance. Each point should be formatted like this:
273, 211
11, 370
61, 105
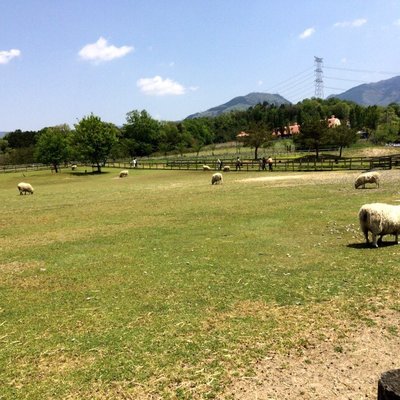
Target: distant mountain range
242, 103
380, 93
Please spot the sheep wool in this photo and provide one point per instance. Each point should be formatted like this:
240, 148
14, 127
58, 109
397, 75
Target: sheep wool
216, 178
206, 168
367, 177
380, 219
226, 168
124, 173
25, 188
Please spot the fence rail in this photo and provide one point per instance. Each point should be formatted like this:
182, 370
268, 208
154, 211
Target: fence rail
324, 163
279, 164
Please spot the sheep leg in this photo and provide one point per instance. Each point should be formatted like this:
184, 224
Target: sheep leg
365, 232
374, 240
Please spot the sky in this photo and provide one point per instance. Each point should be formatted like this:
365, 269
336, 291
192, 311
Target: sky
61, 60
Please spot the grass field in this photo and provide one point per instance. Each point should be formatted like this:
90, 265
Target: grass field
162, 286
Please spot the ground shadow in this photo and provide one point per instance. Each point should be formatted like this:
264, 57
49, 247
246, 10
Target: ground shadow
369, 246
84, 173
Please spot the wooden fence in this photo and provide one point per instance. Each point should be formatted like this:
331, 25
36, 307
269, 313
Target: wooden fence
324, 163
279, 164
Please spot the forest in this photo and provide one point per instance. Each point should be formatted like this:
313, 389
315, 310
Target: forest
93, 140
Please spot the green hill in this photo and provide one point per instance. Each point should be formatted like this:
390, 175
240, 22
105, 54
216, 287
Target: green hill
242, 103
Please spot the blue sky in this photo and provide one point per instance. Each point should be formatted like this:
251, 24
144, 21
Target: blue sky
61, 60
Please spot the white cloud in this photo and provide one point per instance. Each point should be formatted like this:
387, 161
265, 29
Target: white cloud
307, 33
7, 56
102, 51
351, 24
158, 86
397, 22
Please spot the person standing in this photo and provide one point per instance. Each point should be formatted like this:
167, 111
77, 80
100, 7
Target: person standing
238, 164
270, 162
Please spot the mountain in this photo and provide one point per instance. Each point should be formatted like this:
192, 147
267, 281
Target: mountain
242, 103
379, 93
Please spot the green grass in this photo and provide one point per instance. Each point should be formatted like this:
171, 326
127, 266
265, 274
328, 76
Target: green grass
161, 285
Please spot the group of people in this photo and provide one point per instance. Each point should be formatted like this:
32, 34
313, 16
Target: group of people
238, 163
264, 161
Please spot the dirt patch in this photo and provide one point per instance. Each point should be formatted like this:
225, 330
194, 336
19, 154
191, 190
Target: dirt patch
345, 177
347, 368
17, 267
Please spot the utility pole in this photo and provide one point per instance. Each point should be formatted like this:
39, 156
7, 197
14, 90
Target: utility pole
319, 83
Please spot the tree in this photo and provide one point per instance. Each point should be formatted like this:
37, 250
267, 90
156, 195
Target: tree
199, 130
342, 136
388, 127
94, 140
21, 139
313, 134
52, 146
3, 145
141, 133
259, 133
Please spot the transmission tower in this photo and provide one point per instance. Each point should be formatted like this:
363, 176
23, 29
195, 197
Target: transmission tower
319, 83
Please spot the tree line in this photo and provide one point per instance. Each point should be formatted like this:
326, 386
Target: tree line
93, 140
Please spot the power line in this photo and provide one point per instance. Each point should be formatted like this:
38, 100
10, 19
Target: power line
334, 88
289, 79
364, 70
344, 79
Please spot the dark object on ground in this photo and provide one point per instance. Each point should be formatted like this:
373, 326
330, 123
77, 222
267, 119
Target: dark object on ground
389, 385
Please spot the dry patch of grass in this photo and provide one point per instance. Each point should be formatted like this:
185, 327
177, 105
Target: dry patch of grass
333, 357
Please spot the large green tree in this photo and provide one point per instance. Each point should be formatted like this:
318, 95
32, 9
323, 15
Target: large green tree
314, 134
140, 133
94, 139
259, 134
342, 136
52, 146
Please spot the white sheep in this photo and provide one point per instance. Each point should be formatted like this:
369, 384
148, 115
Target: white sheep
380, 219
206, 168
74, 167
226, 168
124, 173
367, 177
24, 187
216, 178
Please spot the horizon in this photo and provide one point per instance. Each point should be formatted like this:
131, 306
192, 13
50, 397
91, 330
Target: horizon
61, 62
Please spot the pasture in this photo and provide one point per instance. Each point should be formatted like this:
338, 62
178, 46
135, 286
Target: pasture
163, 286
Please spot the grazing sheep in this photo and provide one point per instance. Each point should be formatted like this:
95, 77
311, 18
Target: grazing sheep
380, 219
206, 168
25, 188
216, 178
124, 173
74, 167
367, 177
226, 168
